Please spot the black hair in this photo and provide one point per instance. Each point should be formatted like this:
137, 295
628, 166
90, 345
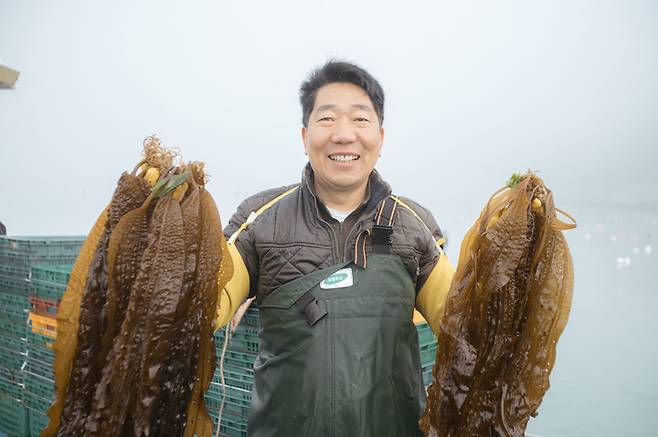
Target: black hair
340, 71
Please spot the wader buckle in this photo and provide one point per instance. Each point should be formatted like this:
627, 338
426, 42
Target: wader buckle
381, 238
309, 306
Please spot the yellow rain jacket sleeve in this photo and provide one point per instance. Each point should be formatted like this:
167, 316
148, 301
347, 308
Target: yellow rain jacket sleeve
235, 291
431, 299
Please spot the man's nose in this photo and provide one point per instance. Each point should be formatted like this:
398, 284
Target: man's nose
343, 133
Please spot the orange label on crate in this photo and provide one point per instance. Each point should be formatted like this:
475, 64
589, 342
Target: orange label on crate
47, 332
43, 322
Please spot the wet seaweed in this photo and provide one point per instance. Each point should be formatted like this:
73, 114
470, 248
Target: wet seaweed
507, 306
138, 313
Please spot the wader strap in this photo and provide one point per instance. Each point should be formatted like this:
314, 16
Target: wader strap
381, 232
308, 305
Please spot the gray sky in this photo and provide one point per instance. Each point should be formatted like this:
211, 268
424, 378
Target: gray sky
475, 91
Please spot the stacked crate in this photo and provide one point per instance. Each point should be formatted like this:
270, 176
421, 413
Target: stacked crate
428, 348
17, 256
48, 284
239, 375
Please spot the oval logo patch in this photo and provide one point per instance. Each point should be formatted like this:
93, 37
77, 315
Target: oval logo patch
340, 279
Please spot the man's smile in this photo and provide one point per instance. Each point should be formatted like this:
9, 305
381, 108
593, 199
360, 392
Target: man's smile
344, 157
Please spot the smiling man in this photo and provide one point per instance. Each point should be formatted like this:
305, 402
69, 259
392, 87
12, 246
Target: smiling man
337, 264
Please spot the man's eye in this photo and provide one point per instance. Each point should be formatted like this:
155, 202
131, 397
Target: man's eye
326, 119
361, 119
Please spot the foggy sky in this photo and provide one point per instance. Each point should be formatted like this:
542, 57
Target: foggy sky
475, 91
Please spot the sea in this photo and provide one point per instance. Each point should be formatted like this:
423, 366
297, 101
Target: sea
605, 379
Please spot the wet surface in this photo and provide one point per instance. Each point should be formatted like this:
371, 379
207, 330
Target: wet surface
508, 304
146, 312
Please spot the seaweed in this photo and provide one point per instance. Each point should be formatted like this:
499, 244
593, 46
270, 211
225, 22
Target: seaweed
129, 194
507, 306
135, 351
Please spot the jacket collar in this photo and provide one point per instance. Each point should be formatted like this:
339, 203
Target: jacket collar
377, 189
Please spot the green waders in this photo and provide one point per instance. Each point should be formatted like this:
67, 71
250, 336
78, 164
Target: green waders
339, 359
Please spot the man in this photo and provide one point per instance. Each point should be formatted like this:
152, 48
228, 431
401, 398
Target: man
337, 265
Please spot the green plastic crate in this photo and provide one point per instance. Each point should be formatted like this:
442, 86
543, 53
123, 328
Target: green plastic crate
231, 427
13, 417
12, 343
40, 246
16, 272
11, 359
231, 406
425, 333
49, 273
13, 326
428, 354
38, 422
14, 306
47, 290
38, 386
40, 355
14, 284
36, 403
39, 368
15, 300
236, 394
11, 388
25, 261
246, 343
39, 340
12, 375
234, 379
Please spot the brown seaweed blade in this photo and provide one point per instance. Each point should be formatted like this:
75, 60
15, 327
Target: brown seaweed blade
528, 379
114, 396
125, 250
179, 368
67, 322
85, 371
498, 335
214, 270
163, 303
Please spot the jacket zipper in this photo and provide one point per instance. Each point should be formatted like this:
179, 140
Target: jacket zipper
333, 233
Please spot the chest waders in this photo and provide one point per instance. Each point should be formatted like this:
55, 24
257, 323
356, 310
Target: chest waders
340, 360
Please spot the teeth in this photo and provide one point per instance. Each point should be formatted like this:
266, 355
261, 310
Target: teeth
344, 158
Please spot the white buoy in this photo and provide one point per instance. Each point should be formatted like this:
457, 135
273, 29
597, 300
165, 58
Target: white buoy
647, 250
623, 262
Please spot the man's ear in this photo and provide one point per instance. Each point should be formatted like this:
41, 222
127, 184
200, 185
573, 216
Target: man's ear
381, 132
304, 140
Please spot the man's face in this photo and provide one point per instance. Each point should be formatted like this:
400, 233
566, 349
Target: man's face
343, 139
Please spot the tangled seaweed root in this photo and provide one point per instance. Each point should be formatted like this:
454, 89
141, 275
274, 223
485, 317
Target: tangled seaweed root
157, 155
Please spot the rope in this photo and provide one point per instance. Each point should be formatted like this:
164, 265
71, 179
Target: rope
221, 378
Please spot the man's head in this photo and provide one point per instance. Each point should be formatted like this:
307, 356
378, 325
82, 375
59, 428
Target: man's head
343, 111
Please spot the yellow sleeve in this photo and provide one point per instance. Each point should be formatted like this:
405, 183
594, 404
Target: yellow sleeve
235, 291
431, 298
